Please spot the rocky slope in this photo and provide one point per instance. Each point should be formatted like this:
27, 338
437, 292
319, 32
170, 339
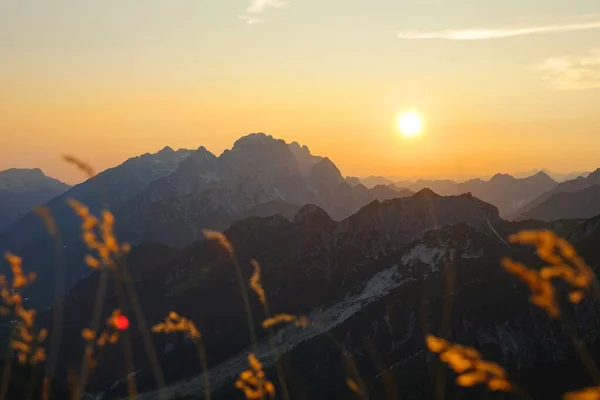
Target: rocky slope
381, 318
368, 275
23, 189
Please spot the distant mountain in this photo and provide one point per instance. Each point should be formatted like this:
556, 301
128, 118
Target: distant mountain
508, 193
557, 176
212, 192
383, 192
502, 190
353, 181
572, 185
23, 189
573, 175
375, 280
112, 188
372, 181
584, 203
444, 187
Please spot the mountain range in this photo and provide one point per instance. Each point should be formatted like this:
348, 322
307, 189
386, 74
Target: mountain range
370, 265
171, 196
506, 192
376, 280
207, 191
23, 189
557, 176
373, 180
536, 196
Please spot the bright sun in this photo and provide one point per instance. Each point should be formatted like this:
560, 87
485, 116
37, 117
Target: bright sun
410, 123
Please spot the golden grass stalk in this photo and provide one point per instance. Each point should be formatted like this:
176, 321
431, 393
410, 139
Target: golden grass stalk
469, 365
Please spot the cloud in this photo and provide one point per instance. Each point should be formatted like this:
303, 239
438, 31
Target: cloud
250, 19
572, 73
258, 7
484, 34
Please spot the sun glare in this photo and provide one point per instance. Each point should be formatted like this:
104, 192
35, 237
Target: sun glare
410, 123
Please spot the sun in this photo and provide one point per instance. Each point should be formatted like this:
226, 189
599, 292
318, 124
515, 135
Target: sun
410, 123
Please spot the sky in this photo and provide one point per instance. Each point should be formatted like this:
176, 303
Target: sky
502, 86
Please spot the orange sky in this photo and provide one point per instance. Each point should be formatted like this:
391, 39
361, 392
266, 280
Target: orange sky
109, 80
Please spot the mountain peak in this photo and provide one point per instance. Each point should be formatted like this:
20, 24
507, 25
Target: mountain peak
254, 139
542, 173
327, 162
325, 176
542, 176
197, 160
166, 150
23, 189
18, 177
304, 157
312, 214
425, 193
16, 172
500, 176
203, 152
297, 148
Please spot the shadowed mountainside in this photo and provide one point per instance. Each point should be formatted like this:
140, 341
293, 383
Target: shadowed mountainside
28, 236
23, 189
332, 271
573, 185
584, 203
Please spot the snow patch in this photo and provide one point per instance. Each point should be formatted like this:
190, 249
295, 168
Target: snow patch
496, 233
323, 320
427, 255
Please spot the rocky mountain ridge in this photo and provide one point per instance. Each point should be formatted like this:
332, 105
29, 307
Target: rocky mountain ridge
310, 254
212, 192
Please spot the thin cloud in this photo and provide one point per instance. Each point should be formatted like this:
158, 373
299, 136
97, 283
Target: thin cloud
572, 73
251, 16
485, 34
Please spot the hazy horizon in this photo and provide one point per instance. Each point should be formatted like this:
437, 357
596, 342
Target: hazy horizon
502, 87
79, 177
